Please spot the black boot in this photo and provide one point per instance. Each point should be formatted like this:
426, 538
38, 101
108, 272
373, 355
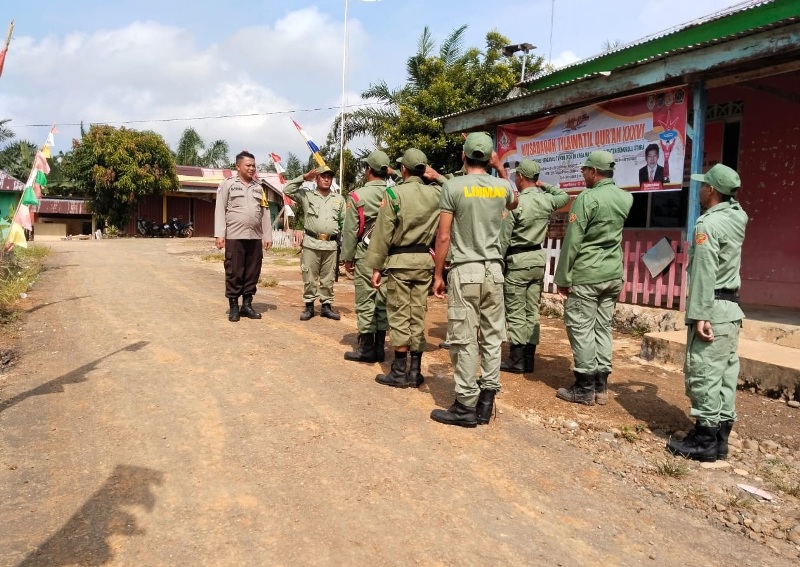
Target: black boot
601, 388
365, 351
415, 377
485, 406
722, 439
582, 392
515, 364
247, 308
308, 312
233, 311
329, 313
398, 376
457, 414
380, 346
700, 445
530, 351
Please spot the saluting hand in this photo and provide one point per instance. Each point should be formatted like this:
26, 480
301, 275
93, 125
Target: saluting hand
310, 175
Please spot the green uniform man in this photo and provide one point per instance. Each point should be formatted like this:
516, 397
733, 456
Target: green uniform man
589, 277
471, 213
713, 316
524, 231
323, 221
400, 244
362, 209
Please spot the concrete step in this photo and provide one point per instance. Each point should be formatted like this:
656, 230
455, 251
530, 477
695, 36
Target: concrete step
774, 370
774, 332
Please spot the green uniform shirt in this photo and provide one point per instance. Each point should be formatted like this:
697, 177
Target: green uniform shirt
715, 258
477, 202
592, 248
408, 219
369, 199
527, 224
323, 213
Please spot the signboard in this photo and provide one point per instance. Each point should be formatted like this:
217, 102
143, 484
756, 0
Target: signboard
646, 133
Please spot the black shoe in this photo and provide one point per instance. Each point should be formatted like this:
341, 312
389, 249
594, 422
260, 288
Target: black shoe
365, 351
247, 308
601, 388
530, 352
582, 392
457, 414
398, 376
233, 311
415, 377
444, 344
380, 346
515, 364
722, 439
308, 312
483, 410
700, 445
329, 313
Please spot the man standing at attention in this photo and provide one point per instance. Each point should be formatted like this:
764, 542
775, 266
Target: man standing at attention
242, 225
359, 219
713, 316
323, 221
400, 244
524, 231
589, 277
471, 212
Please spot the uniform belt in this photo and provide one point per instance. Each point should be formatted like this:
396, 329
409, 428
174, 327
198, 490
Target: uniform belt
727, 294
517, 249
414, 249
321, 235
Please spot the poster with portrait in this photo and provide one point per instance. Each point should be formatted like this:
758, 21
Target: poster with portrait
646, 133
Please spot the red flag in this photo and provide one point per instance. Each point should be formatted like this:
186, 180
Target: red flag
5, 48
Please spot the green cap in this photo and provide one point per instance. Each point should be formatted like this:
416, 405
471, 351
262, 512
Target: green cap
527, 168
323, 169
414, 160
478, 146
377, 161
722, 178
600, 159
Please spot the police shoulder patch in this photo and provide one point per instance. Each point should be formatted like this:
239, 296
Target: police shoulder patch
573, 217
700, 238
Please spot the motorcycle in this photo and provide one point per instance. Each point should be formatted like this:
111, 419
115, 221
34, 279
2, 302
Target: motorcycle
148, 228
179, 229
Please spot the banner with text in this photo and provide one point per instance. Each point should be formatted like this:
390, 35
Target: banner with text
646, 133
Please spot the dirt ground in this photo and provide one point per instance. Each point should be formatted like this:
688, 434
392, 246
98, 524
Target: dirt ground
139, 427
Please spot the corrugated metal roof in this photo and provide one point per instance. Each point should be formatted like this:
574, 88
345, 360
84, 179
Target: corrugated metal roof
9, 183
63, 207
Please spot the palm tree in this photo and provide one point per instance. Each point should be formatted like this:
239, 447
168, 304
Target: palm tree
192, 151
5, 132
16, 158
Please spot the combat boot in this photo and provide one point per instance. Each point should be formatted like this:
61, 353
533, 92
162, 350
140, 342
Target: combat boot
700, 445
530, 351
516, 363
247, 308
415, 377
233, 311
380, 346
365, 351
722, 439
457, 414
308, 312
398, 376
601, 388
329, 313
485, 406
582, 392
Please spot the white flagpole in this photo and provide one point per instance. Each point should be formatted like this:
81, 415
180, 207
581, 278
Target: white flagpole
344, 84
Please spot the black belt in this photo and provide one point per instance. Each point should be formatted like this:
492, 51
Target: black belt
727, 294
414, 249
516, 249
321, 235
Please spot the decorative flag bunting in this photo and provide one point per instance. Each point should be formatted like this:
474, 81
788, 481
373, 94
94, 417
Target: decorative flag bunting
29, 197
311, 145
23, 217
276, 160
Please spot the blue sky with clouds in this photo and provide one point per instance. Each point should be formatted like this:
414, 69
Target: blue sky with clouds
156, 61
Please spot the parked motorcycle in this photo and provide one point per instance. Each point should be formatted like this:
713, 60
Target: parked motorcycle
180, 229
148, 228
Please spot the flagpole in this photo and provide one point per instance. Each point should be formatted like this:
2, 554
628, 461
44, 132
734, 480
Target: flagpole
341, 116
10, 31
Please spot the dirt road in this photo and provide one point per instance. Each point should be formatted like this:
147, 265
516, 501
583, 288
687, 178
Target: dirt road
140, 427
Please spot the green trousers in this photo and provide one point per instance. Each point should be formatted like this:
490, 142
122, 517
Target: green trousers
370, 302
711, 373
523, 293
407, 304
587, 314
475, 327
318, 272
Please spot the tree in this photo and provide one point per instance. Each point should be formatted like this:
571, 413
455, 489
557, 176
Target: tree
17, 157
192, 151
293, 166
5, 132
117, 167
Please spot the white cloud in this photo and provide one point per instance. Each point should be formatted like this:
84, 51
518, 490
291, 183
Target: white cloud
564, 58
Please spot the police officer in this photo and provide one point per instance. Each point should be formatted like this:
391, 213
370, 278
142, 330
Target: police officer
524, 231
589, 276
713, 316
400, 244
471, 209
359, 220
323, 221
242, 226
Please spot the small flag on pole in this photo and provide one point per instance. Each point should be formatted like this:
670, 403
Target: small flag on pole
276, 159
311, 145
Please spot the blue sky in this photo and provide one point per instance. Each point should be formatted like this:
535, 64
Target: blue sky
156, 62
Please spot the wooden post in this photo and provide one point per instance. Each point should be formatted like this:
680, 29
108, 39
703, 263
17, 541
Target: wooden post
698, 143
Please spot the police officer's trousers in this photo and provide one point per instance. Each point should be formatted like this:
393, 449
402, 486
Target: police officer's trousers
318, 274
587, 314
243, 258
370, 303
407, 304
475, 306
523, 293
711, 372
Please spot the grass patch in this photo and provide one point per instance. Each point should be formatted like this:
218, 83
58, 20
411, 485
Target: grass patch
630, 435
638, 331
281, 251
774, 471
284, 262
672, 468
268, 282
213, 257
18, 270
740, 502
